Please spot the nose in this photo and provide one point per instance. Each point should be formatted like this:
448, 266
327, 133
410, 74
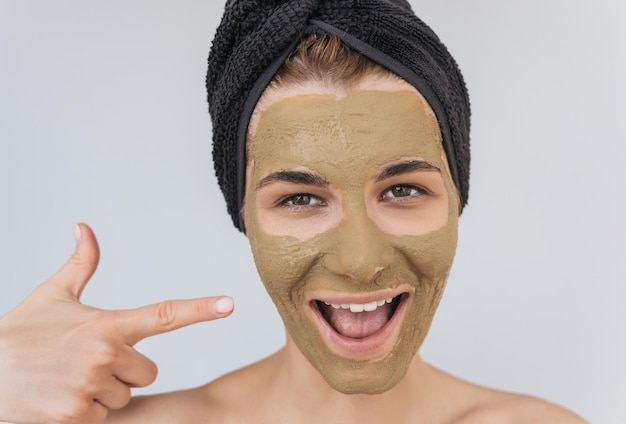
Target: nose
358, 249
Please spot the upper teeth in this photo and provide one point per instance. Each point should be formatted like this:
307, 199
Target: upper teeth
360, 307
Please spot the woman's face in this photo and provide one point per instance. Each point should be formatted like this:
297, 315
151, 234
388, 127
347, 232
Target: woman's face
352, 218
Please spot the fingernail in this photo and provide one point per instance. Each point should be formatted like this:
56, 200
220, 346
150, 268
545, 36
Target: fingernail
76, 230
224, 305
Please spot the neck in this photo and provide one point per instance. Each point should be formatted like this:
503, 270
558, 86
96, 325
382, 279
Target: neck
301, 386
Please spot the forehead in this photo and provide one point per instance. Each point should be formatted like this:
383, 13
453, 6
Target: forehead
274, 94
362, 128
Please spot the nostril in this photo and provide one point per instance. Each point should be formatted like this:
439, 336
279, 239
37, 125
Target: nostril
365, 276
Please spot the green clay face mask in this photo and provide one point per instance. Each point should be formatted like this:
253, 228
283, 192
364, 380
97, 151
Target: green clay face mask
352, 218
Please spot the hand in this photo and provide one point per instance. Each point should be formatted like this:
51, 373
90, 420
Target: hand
65, 362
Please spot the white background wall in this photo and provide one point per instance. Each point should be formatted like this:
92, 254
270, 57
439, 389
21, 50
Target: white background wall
103, 119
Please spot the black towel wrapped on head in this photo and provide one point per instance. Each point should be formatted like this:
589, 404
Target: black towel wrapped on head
255, 37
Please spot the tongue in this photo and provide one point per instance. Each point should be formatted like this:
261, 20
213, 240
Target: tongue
357, 325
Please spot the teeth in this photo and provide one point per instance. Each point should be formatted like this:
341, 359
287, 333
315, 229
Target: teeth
360, 307
357, 307
368, 307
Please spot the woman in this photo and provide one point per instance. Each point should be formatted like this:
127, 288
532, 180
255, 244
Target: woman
353, 186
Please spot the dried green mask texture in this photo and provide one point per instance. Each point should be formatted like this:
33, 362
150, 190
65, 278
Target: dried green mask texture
345, 140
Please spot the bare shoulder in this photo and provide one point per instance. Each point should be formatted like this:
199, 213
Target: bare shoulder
484, 405
175, 407
194, 405
479, 404
501, 407
227, 399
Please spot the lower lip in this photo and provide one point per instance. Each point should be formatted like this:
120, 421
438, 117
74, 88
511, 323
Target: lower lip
372, 347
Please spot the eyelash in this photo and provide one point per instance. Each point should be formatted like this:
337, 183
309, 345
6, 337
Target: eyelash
415, 193
287, 202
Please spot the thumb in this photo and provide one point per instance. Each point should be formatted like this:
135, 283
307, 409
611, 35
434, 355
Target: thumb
72, 278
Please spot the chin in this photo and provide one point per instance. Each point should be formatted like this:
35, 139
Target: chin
373, 363
354, 383
357, 375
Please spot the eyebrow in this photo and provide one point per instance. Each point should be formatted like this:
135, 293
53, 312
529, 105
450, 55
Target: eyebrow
406, 167
293, 177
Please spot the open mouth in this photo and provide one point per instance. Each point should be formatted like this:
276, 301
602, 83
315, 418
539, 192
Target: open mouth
359, 320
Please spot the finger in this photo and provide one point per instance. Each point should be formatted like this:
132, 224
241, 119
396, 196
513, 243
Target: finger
137, 324
97, 414
135, 369
84, 411
114, 395
72, 278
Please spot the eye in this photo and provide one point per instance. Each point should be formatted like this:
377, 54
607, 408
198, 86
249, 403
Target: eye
402, 193
301, 201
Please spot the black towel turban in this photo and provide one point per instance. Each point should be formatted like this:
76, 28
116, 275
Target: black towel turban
256, 36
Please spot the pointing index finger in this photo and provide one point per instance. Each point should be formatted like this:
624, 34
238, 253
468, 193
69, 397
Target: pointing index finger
138, 324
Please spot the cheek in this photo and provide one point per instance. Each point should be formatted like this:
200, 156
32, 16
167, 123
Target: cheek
303, 225
282, 261
283, 264
411, 221
431, 255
